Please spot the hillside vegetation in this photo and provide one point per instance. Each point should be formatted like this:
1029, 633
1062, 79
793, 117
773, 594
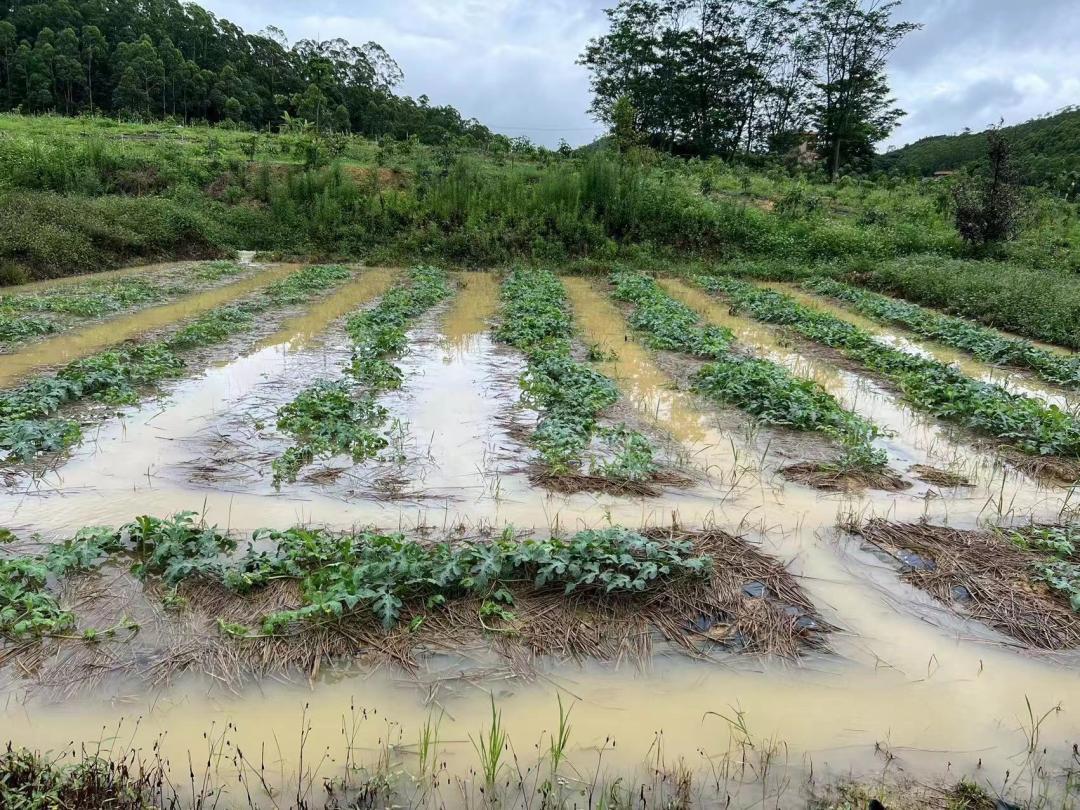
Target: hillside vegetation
1046, 152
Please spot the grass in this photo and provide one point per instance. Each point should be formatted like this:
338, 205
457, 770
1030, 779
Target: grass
985, 344
1035, 303
1026, 424
570, 397
763, 389
343, 417
29, 415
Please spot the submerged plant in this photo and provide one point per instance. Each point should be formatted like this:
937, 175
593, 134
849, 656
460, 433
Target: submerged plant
569, 396
760, 387
343, 417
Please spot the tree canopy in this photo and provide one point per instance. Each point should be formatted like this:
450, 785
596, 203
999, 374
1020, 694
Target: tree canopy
719, 77
147, 59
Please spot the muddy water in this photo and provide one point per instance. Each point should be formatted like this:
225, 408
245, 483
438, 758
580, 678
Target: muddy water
910, 437
903, 673
79, 343
1015, 380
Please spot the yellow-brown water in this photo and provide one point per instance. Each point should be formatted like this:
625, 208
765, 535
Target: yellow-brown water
1016, 380
83, 342
903, 672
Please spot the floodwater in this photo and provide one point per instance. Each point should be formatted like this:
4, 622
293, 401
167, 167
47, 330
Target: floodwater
78, 343
1012, 379
906, 684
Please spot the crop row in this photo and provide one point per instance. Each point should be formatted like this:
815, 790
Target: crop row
28, 315
29, 423
1014, 420
985, 344
342, 416
760, 387
366, 575
569, 396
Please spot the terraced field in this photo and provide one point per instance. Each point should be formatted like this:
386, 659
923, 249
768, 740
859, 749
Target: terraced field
355, 509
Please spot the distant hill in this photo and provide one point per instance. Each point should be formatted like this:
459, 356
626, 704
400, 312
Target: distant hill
1044, 150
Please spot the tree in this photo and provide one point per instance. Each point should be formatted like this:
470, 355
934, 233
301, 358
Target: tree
851, 108
155, 58
68, 67
624, 125
342, 121
988, 205
8, 47
94, 48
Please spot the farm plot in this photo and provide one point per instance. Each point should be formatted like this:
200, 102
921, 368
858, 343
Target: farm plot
441, 559
32, 416
1024, 582
577, 450
302, 598
988, 345
38, 309
1041, 437
96, 334
763, 389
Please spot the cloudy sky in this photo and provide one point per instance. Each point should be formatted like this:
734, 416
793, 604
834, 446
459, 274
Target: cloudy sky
510, 63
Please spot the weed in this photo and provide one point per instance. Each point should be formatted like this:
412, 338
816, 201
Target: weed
490, 748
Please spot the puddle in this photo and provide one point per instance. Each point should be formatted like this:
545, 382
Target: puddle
72, 345
903, 672
1015, 380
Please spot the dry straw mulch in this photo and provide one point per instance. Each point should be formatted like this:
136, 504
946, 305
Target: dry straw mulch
749, 604
982, 575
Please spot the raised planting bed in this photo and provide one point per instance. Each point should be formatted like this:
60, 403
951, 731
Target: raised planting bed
303, 597
1023, 582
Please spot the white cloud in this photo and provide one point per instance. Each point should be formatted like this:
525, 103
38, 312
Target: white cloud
511, 63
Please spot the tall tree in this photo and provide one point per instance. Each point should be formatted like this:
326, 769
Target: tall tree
852, 108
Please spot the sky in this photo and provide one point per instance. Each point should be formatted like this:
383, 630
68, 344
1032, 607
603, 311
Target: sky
511, 63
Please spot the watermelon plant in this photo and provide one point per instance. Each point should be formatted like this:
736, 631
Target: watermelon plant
760, 387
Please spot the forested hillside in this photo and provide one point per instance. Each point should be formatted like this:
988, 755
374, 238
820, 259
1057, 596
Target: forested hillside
1046, 151
152, 59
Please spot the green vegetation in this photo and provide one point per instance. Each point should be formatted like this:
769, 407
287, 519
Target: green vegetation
381, 574
1034, 303
1059, 565
331, 418
1013, 420
569, 396
759, 387
354, 575
29, 424
178, 61
1045, 152
29, 315
985, 344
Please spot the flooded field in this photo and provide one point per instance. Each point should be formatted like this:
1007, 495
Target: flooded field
901, 682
